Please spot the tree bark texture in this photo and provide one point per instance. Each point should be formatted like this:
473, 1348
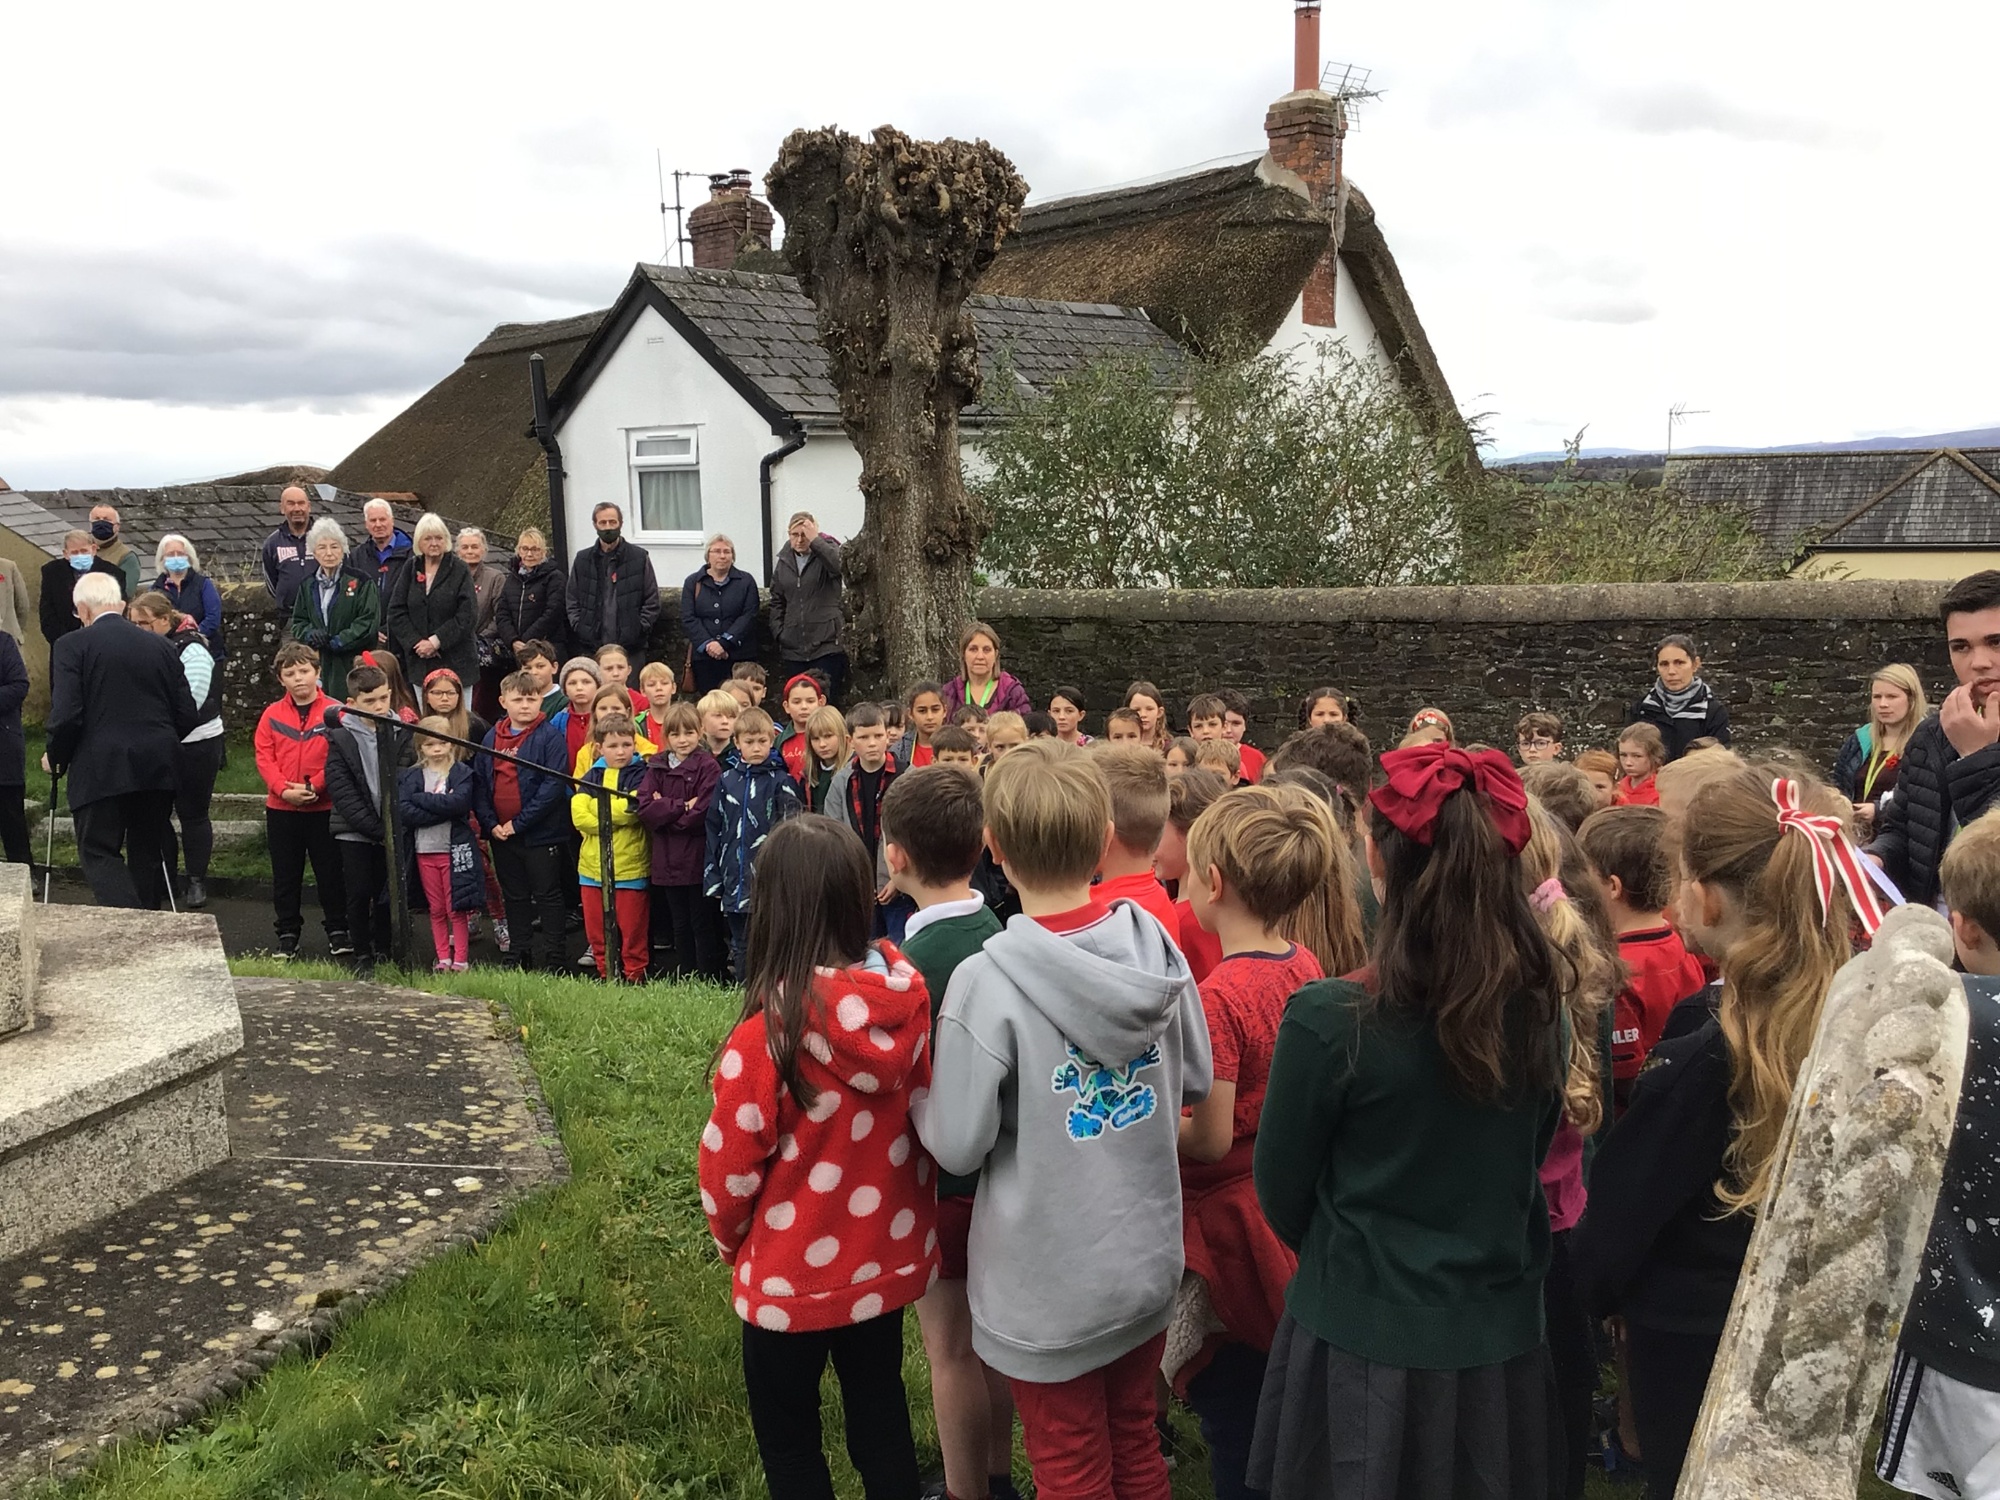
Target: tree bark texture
889, 237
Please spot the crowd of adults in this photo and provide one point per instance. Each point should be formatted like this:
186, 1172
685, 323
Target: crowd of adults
136, 727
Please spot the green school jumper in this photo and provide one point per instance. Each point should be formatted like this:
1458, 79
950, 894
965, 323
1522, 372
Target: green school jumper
1418, 1215
937, 950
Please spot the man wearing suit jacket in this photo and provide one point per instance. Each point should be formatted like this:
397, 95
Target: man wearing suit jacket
119, 705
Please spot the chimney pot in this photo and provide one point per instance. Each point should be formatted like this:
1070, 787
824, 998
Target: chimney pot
732, 221
1305, 48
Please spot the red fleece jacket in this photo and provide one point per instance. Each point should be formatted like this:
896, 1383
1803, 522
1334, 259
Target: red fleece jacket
829, 1214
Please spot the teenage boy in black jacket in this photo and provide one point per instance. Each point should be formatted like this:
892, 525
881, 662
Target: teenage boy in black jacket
1941, 1431
353, 781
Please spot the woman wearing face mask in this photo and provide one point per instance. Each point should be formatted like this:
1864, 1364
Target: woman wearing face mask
189, 590
59, 584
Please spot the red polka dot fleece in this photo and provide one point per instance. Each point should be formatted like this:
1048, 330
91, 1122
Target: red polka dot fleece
829, 1214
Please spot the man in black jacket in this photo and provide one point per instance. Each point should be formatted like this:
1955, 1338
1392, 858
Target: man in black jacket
1950, 770
805, 604
119, 705
613, 596
59, 578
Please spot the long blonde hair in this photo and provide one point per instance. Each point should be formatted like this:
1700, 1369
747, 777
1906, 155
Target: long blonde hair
1593, 974
1327, 923
1776, 974
1890, 740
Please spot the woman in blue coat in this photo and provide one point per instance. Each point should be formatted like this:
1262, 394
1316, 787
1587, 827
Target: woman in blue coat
719, 607
190, 590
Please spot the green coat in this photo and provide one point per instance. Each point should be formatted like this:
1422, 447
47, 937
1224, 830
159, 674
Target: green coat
352, 621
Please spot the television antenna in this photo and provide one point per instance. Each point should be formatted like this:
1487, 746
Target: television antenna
674, 241
1677, 415
1349, 84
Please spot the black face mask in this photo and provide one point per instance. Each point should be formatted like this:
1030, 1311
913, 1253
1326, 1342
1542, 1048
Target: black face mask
608, 535
104, 531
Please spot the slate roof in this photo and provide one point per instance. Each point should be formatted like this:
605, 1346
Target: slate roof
1935, 499
1218, 255
760, 333
226, 522
462, 447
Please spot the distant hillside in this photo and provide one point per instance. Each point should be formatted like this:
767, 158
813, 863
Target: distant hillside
1634, 459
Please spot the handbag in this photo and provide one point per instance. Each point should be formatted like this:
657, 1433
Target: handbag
687, 657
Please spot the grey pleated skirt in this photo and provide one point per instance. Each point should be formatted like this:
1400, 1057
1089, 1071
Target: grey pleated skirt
1331, 1426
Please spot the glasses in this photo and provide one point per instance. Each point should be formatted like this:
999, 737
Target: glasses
1535, 742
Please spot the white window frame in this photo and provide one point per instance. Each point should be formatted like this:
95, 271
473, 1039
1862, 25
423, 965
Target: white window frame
637, 463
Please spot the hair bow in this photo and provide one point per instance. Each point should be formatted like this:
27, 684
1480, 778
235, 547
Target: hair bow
1422, 777
1834, 856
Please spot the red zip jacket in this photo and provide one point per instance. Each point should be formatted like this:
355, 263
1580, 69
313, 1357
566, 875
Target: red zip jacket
291, 746
829, 1214
1660, 974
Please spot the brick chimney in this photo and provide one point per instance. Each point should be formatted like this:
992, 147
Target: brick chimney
731, 222
1306, 129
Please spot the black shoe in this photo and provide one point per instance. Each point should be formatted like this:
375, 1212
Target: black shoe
194, 894
364, 968
288, 945
340, 945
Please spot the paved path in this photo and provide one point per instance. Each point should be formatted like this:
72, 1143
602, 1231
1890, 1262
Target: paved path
369, 1129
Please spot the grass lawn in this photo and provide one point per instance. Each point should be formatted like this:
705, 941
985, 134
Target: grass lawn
239, 775
587, 1350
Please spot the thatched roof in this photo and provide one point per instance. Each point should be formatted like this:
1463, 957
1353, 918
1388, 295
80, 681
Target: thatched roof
760, 334
462, 447
279, 474
1932, 499
1217, 257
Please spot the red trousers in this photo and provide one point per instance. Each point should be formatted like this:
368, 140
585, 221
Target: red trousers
1093, 1438
632, 934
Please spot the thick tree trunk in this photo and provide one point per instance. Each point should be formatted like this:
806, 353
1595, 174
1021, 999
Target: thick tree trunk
889, 237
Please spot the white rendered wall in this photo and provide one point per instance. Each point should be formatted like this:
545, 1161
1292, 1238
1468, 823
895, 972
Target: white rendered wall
824, 478
1353, 328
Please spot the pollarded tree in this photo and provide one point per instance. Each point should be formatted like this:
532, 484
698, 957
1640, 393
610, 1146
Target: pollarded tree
889, 236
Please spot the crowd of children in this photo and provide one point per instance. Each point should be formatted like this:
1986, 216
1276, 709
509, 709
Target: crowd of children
1370, 1105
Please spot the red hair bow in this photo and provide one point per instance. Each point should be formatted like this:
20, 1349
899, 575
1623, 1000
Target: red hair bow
1834, 856
1421, 777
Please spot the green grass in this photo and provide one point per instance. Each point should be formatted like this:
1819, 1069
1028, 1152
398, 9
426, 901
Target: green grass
239, 775
586, 1350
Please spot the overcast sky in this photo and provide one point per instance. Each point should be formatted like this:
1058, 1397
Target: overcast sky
236, 235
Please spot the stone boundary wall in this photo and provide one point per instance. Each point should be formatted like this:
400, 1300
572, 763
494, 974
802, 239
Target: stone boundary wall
1791, 658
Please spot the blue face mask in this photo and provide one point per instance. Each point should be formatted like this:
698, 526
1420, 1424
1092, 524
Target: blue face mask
176, 565
81, 561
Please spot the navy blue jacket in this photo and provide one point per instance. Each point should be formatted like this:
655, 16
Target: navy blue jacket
287, 562
421, 809
749, 802
725, 612
195, 596
544, 815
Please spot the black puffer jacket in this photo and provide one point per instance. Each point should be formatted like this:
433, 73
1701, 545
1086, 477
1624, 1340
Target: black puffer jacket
531, 607
1937, 792
627, 571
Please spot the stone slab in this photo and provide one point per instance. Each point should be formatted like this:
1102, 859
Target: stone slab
370, 1130
135, 1014
17, 947
228, 831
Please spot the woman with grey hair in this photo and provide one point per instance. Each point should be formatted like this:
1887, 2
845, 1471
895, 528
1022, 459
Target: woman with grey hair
336, 611
495, 660
433, 608
188, 589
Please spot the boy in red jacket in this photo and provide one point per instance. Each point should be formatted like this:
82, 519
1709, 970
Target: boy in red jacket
1627, 848
298, 813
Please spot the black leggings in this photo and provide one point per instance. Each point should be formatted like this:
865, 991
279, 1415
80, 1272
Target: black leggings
1225, 1395
196, 766
1574, 1361
700, 939
1669, 1373
781, 1372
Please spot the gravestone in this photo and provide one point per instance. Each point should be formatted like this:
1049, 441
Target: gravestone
115, 1030
1819, 1304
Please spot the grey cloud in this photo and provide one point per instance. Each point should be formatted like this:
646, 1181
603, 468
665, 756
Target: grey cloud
208, 324
1687, 110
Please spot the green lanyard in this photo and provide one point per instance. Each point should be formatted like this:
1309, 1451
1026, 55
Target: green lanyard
981, 702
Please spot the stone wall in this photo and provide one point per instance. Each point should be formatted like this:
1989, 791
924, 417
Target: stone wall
1791, 659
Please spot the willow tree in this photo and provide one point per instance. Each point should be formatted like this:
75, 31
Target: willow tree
889, 237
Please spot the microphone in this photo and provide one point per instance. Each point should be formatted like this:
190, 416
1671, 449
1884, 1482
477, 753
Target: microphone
331, 718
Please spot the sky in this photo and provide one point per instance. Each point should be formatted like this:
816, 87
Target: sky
239, 235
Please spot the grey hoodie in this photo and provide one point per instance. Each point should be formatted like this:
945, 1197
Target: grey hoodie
1060, 1067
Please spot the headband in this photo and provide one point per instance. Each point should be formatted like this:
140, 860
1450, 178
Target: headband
1834, 856
434, 675
798, 677
1422, 777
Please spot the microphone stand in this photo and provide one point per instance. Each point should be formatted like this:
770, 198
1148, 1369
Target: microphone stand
392, 823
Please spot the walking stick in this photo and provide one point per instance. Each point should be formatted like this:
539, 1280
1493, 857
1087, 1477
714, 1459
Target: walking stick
49, 854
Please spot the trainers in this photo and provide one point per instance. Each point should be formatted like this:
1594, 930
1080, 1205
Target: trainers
288, 945
339, 945
502, 938
194, 894
442, 966
459, 966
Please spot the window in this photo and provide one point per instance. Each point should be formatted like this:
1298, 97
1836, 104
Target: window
666, 482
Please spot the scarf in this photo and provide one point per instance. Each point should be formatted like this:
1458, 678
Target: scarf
1691, 702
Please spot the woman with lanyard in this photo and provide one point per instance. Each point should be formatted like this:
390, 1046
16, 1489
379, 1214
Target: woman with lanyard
980, 683
1866, 771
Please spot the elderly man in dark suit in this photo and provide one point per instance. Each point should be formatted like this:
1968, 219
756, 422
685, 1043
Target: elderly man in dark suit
119, 705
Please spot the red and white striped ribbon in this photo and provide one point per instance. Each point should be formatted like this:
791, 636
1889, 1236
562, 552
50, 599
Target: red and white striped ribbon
1834, 856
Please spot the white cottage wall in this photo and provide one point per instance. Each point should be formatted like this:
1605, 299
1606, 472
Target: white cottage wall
823, 477
1352, 328
654, 380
